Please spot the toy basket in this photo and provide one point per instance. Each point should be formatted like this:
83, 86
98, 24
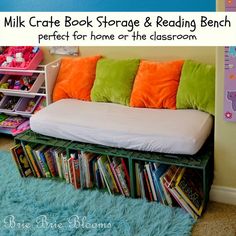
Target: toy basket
5, 100
22, 105
34, 89
32, 65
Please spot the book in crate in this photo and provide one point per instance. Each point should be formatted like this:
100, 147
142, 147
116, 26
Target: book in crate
166, 184
170, 185
81, 169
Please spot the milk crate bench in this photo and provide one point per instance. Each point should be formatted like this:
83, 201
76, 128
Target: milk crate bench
202, 161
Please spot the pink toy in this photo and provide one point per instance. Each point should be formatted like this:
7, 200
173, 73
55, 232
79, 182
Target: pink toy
21, 128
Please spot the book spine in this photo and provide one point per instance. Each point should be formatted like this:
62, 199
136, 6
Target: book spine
58, 163
143, 195
147, 166
108, 167
126, 172
17, 162
102, 171
44, 165
29, 161
181, 202
49, 160
158, 172
102, 179
76, 173
163, 199
87, 173
189, 192
122, 180
34, 152
186, 199
70, 165
166, 192
155, 181
98, 177
82, 180
92, 172
54, 162
137, 176
104, 161
148, 185
66, 168
23, 161
117, 179
33, 161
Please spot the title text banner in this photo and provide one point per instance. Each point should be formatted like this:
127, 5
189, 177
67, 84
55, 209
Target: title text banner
118, 29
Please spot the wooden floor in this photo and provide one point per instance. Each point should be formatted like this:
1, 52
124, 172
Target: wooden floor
218, 220
6, 142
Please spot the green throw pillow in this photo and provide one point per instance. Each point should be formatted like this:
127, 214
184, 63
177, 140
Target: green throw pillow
114, 80
197, 87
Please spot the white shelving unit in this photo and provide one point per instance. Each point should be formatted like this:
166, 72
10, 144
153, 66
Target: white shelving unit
45, 81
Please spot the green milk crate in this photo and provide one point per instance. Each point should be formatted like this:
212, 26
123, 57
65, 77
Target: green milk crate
202, 161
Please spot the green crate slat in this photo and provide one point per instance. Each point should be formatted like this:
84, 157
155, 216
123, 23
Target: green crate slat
30, 136
199, 160
100, 149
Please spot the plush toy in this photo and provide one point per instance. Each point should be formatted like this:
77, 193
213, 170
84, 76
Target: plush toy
4, 86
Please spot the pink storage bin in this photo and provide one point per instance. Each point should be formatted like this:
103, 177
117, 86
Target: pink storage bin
5, 100
23, 103
11, 122
35, 61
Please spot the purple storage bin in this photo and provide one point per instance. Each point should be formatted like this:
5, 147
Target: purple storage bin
23, 104
6, 100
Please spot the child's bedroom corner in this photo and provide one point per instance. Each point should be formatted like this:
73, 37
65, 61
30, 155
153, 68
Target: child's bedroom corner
117, 140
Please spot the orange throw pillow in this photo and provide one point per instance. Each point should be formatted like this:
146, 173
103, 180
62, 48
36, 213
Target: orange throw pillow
75, 78
156, 84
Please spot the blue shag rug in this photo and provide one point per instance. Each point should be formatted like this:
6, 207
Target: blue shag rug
38, 207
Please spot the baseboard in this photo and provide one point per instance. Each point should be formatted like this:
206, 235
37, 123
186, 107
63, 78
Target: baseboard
223, 194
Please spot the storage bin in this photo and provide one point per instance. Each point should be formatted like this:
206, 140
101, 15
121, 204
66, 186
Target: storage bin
34, 89
33, 64
42, 104
12, 122
6, 101
24, 103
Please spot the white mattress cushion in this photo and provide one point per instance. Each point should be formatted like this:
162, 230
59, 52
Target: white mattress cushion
155, 130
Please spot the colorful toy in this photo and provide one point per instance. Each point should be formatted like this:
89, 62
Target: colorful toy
12, 122
10, 103
17, 84
41, 105
21, 128
30, 106
4, 86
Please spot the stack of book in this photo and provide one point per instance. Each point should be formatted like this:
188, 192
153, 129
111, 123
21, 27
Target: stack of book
81, 169
104, 172
170, 185
40, 160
